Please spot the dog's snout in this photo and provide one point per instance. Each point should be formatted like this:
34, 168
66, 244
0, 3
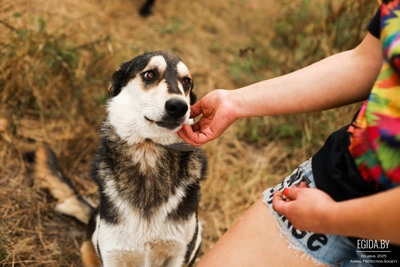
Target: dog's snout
176, 108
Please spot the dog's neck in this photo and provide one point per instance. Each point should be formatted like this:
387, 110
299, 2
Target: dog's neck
184, 147
178, 146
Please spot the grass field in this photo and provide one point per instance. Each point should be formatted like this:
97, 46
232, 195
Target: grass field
56, 58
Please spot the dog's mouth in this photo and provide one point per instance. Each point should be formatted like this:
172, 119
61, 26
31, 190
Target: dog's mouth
170, 125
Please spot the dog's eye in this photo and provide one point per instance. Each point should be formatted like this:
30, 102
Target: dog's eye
149, 75
187, 81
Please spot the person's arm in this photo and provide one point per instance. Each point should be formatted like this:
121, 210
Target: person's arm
338, 80
335, 81
372, 217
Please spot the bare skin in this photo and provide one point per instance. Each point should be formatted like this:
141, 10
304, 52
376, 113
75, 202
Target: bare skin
253, 241
338, 80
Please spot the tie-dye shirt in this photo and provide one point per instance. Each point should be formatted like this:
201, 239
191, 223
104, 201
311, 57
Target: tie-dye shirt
375, 134
336, 171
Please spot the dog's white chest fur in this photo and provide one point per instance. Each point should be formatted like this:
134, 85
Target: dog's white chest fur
136, 241
136, 245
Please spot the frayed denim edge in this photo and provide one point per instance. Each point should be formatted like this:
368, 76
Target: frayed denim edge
297, 248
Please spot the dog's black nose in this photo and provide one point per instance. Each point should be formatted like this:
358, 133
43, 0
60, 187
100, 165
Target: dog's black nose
176, 108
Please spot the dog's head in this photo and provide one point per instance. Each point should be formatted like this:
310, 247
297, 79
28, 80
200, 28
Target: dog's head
150, 98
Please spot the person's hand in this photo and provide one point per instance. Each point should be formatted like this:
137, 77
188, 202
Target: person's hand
218, 110
307, 209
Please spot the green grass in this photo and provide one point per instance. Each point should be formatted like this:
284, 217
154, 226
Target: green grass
303, 35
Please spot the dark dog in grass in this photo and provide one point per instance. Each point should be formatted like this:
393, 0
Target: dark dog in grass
146, 9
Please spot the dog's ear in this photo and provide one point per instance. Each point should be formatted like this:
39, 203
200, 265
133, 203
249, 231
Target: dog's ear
193, 97
110, 90
120, 78
116, 83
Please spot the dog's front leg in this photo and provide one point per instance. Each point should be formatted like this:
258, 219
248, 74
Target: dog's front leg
88, 255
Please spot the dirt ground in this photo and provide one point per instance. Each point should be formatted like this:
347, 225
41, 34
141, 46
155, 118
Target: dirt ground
56, 58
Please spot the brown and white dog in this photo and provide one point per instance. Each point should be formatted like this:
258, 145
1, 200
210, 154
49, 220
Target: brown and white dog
149, 182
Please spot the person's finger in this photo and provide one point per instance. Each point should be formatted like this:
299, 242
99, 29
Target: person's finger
194, 138
187, 135
303, 185
195, 109
182, 133
196, 127
278, 203
292, 192
286, 191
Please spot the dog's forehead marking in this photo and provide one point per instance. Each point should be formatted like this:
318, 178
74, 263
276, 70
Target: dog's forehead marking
157, 62
182, 69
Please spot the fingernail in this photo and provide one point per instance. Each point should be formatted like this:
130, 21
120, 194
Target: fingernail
286, 191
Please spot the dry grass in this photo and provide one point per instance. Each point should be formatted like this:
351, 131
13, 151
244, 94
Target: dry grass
55, 61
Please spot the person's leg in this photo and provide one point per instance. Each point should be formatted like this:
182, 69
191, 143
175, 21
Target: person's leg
255, 240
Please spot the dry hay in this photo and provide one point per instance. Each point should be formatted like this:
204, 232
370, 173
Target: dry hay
55, 61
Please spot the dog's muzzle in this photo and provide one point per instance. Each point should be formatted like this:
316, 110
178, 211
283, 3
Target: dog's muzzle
175, 114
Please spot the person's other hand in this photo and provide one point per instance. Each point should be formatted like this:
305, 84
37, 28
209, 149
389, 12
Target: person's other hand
307, 209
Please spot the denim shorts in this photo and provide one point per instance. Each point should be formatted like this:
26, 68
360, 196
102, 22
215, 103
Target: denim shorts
331, 250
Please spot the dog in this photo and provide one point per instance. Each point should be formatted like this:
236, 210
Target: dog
148, 179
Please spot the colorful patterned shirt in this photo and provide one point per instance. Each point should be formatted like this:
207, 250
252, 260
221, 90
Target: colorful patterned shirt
375, 134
